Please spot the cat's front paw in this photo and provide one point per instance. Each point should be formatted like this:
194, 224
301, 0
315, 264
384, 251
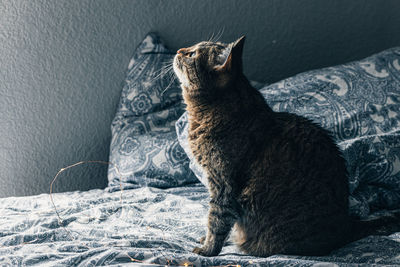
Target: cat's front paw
204, 252
199, 251
201, 241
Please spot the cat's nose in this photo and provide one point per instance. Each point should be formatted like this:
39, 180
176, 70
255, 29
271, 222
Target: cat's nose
181, 51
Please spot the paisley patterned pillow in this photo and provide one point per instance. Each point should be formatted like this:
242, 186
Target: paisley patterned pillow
359, 103
144, 145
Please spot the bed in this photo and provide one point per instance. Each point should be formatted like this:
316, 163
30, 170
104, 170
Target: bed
153, 211
148, 226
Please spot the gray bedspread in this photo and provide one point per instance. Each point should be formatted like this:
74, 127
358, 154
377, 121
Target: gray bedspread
147, 226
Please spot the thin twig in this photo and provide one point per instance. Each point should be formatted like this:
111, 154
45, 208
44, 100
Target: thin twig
60, 221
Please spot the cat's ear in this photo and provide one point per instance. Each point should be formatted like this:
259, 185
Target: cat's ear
234, 58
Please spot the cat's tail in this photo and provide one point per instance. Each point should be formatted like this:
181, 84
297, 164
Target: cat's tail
385, 225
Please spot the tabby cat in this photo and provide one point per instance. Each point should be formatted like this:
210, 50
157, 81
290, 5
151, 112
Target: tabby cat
278, 177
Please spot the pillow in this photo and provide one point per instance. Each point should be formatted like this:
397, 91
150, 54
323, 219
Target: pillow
144, 144
359, 103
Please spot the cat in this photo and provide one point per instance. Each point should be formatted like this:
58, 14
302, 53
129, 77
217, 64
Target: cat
278, 178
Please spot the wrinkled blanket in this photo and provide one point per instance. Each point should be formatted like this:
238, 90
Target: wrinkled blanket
144, 226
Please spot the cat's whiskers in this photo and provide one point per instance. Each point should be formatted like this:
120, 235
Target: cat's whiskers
219, 35
211, 38
164, 70
172, 80
165, 67
216, 37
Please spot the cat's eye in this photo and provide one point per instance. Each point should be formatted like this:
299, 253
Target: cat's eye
191, 54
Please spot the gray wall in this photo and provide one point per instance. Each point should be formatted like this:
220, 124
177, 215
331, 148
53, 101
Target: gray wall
63, 64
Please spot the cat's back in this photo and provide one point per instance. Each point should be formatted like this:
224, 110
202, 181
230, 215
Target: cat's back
297, 136
301, 151
298, 190
300, 168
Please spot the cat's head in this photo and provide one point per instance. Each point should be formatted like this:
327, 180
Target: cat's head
207, 67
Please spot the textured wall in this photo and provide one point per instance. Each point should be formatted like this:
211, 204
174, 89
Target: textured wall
63, 64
